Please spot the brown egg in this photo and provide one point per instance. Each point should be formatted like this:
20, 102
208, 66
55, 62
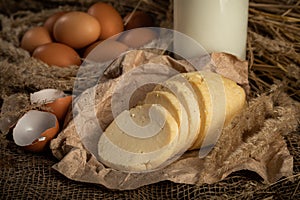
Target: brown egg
138, 37
109, 18
57, 54
35, 37
35, 130
105, 51
49, 23
137, 19
90, 48
76, 29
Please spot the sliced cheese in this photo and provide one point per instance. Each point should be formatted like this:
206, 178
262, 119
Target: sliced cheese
168, 101
219, 100
172, 104
131, 150
181, 88
205, 105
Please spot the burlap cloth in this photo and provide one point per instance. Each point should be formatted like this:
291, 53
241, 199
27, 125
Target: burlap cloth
25, 175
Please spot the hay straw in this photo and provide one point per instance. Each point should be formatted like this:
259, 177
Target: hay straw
274, 45
273, 37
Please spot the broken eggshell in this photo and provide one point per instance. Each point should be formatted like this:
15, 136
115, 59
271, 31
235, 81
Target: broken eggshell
56, 100
35, 129
60, 106
46, 96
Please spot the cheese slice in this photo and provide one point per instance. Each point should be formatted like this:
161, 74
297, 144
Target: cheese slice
205, 105
181, 88
141, 139
172, 104
220, 99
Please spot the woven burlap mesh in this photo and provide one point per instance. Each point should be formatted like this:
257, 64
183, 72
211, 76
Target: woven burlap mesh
273, 55
26, 175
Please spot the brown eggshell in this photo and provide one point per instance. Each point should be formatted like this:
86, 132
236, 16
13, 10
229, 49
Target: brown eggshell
106, 50
35, 130
57, 54
76, 29
137, 19
41, 145
60, 106
137, 37
109, 18
35, 37
49, 23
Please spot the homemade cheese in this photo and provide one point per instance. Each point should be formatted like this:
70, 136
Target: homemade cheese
235, 98
173, 105
123, 151
181, 88
204, 100
187, 111
220, 99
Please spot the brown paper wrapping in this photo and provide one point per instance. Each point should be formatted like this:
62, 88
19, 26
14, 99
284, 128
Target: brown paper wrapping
253, 141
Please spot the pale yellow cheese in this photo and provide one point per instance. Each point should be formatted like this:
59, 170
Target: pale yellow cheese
135, 149
188, 111
168, 101
172, 104
231, 96
205, 105
235, 98
181, 88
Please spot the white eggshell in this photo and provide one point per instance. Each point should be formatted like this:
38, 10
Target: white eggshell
46, 96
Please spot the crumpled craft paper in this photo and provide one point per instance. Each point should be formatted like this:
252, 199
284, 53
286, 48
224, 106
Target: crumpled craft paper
253, 141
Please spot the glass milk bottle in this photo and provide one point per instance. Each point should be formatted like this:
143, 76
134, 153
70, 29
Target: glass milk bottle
217, 25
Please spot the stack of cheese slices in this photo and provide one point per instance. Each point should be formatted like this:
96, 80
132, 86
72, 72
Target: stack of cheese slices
183, 113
